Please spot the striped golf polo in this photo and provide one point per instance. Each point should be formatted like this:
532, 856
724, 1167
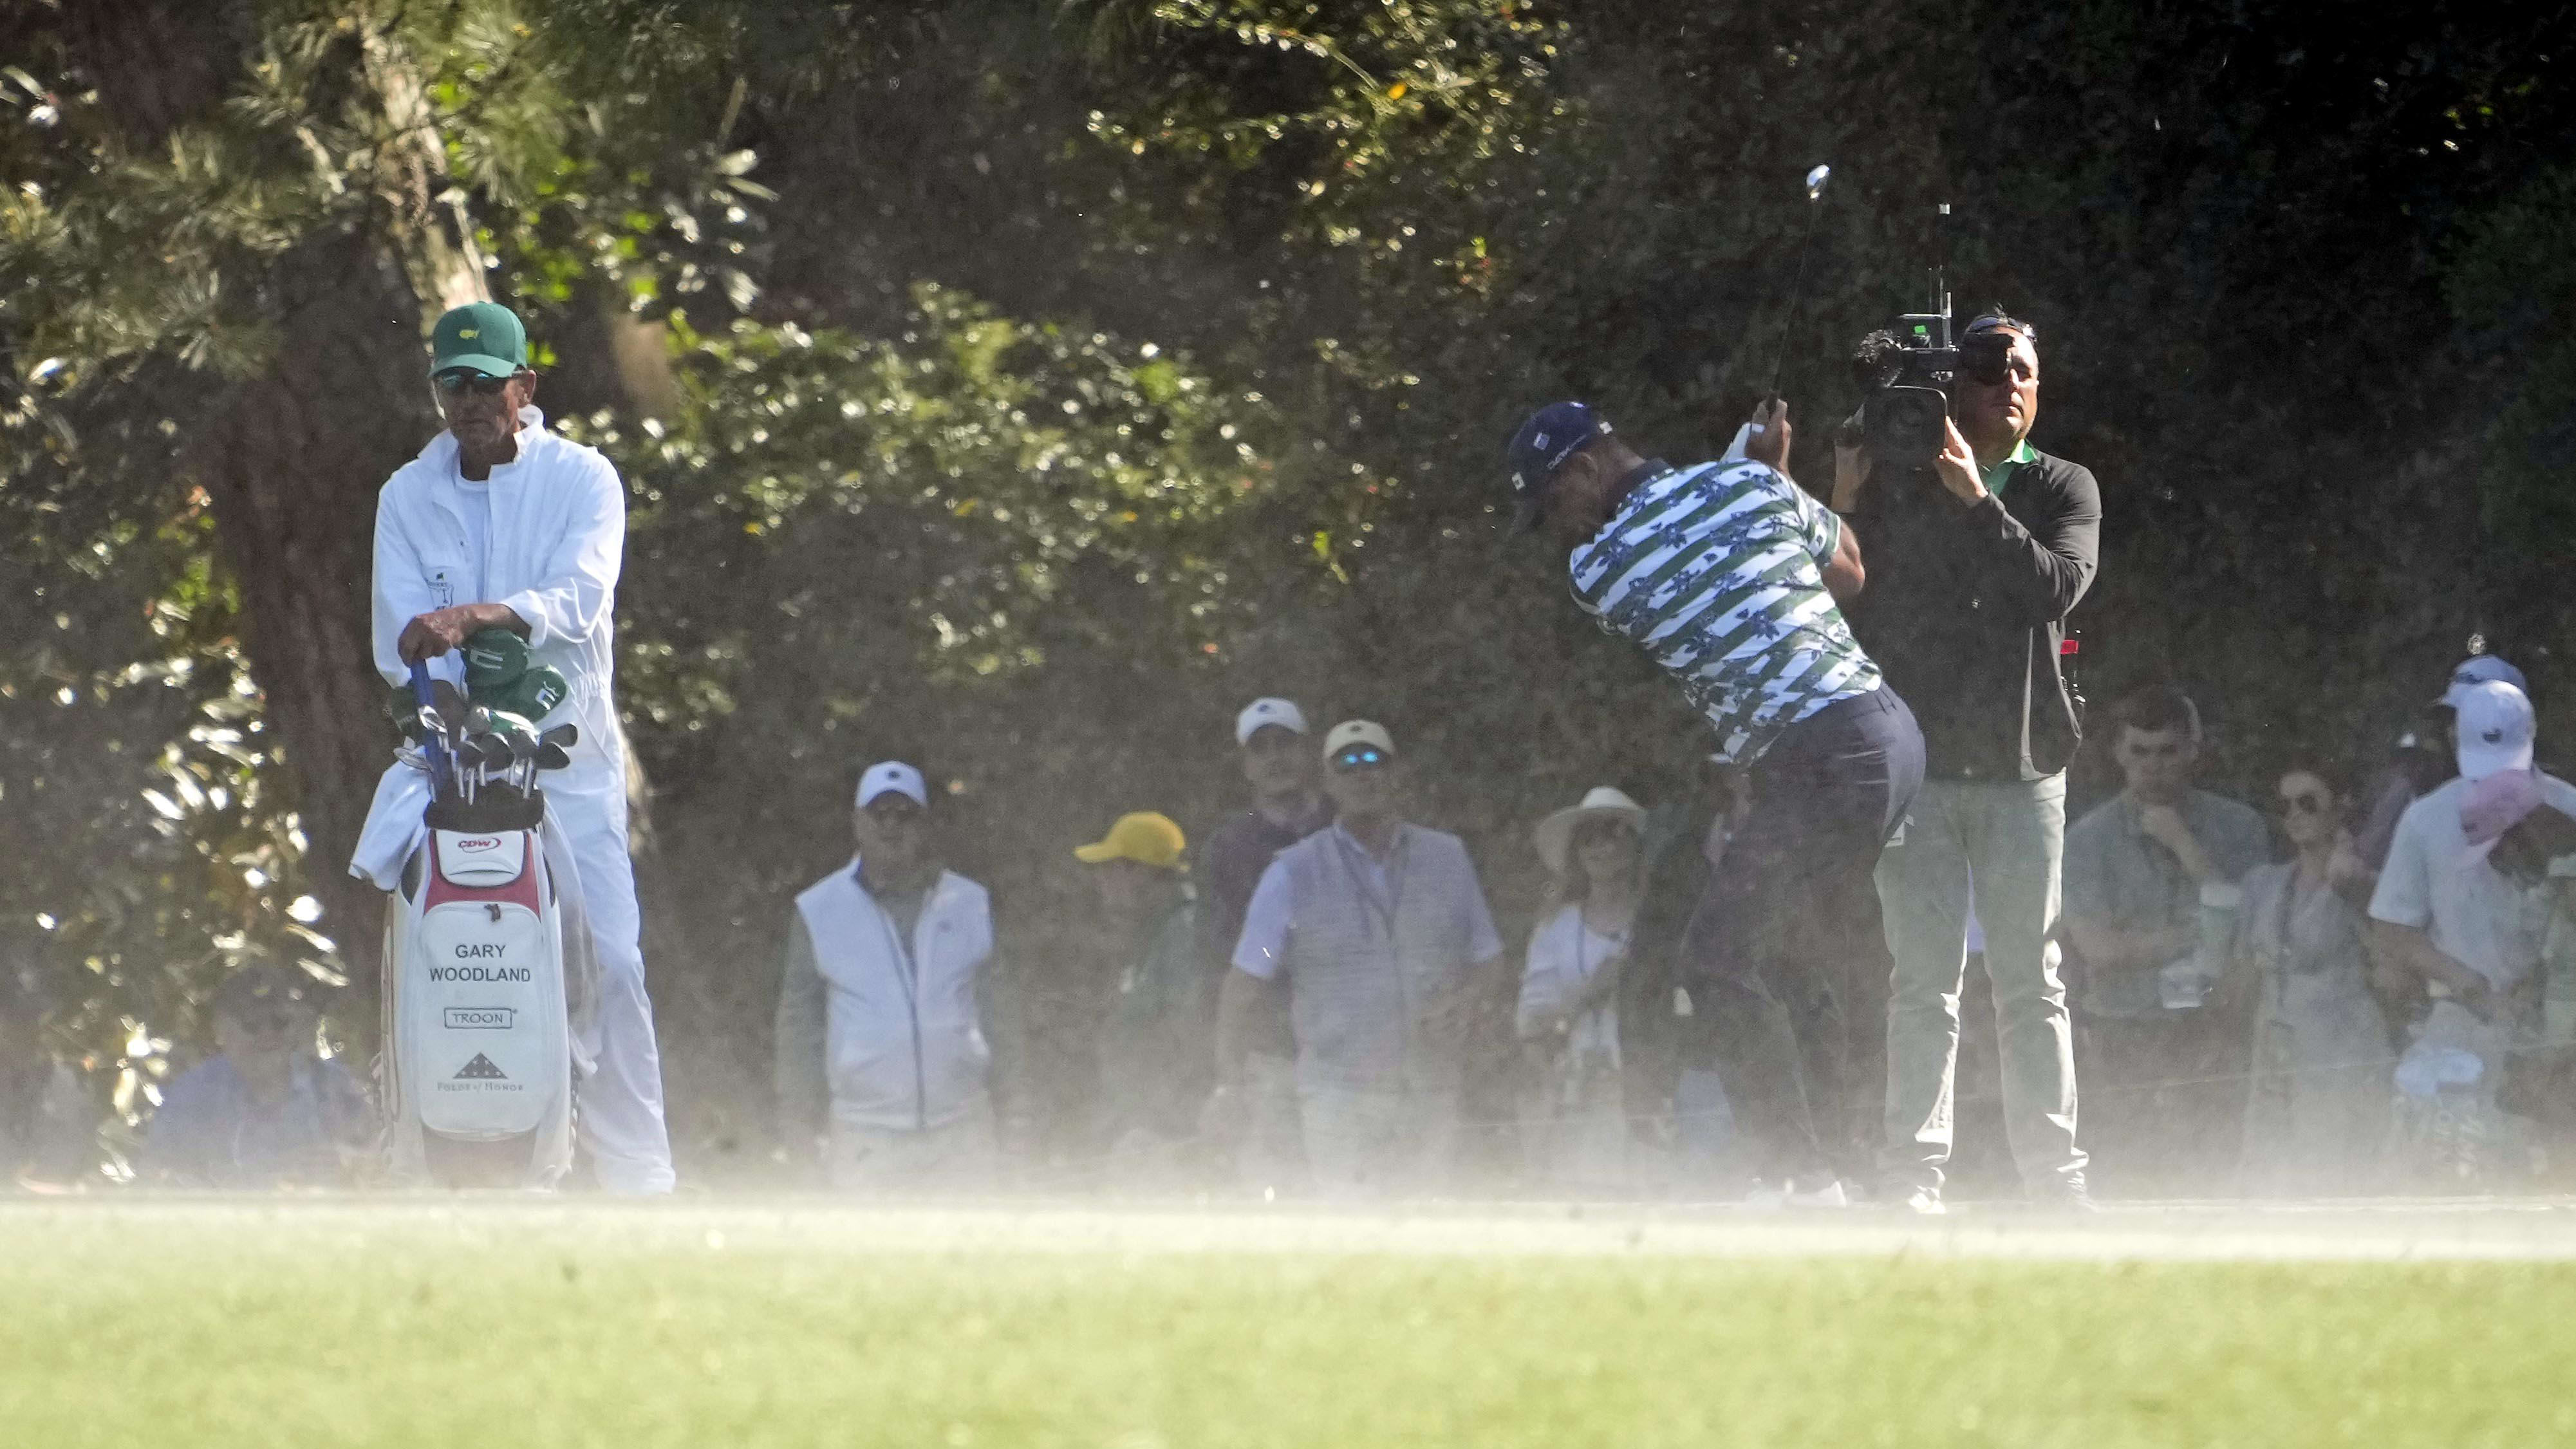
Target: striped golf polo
1715, 571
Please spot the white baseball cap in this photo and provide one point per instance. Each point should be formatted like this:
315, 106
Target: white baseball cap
1261, 714
2496, 728
2485, 669
1357, 732
896, 776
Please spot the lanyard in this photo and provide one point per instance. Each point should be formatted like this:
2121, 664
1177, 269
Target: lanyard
1385, 910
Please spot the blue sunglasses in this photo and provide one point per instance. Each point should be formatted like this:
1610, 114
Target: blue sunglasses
1360, 757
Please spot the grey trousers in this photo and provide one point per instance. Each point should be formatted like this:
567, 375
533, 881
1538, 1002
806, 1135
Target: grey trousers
955, 1157
2009, 836
1362, 1144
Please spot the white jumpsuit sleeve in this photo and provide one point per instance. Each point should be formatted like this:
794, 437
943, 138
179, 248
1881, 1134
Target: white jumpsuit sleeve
402, 589
572, 598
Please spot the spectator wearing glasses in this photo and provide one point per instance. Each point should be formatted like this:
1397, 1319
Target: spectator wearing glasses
883, 1071
502, 524
1975, 561
1377, 932
2140, 868
265, 1111
1278, 760
2316, 1107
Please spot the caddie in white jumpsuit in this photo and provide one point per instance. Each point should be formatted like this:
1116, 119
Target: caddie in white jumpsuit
500, 522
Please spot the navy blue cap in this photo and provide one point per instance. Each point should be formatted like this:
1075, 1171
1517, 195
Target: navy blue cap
1553, 434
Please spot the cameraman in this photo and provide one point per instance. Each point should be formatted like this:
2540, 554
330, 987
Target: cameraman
1974, 563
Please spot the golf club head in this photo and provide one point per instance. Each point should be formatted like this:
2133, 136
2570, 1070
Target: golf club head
1816, 180
514, 732
563, 736
447, 699
552, 756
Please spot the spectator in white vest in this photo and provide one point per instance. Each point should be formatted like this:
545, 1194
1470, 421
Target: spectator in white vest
1377, 930
882, 1062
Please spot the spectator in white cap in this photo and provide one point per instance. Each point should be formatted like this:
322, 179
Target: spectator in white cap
1574, 985
882, 1064
2455, 906
1377, 932
1279, 763
2422, 756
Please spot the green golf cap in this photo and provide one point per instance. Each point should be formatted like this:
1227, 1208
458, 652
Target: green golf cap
483, 336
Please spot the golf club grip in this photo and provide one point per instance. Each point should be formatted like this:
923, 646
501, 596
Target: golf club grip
432, 743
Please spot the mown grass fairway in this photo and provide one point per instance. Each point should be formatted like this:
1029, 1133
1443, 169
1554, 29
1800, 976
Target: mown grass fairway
495, 1325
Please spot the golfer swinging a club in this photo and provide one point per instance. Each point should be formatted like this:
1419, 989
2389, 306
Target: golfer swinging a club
501, 524
1729, 576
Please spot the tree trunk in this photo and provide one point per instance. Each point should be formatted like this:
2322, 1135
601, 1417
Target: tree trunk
293, 457
293, 464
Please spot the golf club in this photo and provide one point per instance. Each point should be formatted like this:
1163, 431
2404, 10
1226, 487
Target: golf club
433, 728
1816, 180
523, 759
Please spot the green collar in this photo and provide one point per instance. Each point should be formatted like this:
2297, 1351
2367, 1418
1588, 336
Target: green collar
1997, 476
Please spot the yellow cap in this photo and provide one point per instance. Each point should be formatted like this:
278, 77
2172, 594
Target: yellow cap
1144, 837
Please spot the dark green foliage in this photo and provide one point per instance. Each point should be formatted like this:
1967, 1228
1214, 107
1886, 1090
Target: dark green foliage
1020, 385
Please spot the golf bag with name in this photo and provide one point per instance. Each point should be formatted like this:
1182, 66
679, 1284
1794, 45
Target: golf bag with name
487, 966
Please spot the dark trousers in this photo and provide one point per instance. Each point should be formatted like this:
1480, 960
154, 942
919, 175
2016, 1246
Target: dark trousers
1787, 955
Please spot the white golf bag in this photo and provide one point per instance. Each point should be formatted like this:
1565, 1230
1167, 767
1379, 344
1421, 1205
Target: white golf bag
489, 979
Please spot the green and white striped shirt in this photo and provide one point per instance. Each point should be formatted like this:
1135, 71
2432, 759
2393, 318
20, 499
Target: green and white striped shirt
1716, 572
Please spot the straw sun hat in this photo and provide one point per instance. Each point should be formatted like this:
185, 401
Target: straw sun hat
1601, 802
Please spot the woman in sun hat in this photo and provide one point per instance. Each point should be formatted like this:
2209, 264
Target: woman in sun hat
1573, 986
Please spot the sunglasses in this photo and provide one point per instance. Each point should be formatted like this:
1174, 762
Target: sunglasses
1987, 357
1360, 757
481, 384
904, 814
2304, 802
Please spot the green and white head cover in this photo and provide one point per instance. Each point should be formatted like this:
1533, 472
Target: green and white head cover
536, 693
495, 658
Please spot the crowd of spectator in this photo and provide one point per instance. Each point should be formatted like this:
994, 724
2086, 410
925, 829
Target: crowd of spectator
2259, 1007
2379, 993
2371, 990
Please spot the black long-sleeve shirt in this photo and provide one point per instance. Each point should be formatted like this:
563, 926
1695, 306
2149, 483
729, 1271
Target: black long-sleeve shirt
1965, 611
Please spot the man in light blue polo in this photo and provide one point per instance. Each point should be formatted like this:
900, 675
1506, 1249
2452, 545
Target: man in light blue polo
1377, 932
